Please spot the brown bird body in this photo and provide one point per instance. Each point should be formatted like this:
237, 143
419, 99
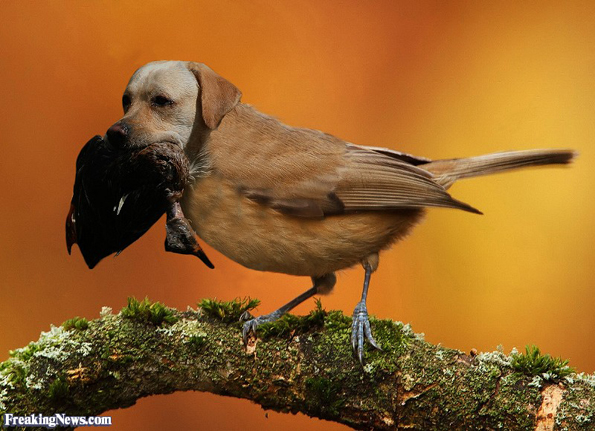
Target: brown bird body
238, 207
263, 200
278, 198
266, 240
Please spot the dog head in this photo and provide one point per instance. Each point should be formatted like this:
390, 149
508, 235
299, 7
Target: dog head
165, 101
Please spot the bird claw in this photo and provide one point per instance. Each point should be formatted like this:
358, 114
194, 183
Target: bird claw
251, 325
360, 328
245, 316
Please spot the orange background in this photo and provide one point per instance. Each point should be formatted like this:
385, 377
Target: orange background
438, 79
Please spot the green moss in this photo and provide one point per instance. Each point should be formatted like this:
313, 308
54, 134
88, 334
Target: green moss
336, 320
15, 373
289, 323
533, 363
197, 341
390, 336
121, 359
59, 389
77, 323
147, 311
577, 406
25, 353
317, 315
323, 396
228, 311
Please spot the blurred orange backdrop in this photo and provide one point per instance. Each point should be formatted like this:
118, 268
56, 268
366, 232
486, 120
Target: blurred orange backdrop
437, 79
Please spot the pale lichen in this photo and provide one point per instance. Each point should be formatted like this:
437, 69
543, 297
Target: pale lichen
5, 385
408, 331
105, 311
536, 382
57, 344
588, 379
183, 329
497, 358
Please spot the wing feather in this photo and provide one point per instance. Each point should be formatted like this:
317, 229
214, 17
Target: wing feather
366, 180
373, 180
306, 173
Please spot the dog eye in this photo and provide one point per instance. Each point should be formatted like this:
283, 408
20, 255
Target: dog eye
126, 102
161, 101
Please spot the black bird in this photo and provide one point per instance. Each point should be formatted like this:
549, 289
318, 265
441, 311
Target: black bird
120, 192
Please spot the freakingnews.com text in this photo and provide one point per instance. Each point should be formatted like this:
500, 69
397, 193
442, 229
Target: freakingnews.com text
57, 420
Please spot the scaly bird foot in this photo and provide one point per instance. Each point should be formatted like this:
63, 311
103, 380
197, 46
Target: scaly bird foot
359, 328
251, 325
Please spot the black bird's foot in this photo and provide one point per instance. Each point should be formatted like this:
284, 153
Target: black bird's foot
251, 325
180, 237
359, 328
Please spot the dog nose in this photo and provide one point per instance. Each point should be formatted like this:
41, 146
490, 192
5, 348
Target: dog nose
117, 134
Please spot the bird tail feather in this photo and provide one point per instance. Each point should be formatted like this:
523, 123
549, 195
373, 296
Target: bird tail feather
446, 172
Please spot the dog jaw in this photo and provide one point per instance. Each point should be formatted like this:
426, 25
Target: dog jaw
148, 122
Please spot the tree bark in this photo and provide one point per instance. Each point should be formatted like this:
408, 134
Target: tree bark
301, 365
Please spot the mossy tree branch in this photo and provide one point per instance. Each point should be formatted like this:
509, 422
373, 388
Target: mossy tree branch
299, 365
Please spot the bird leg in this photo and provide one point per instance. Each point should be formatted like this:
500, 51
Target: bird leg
321, 285
361, 324
180, 237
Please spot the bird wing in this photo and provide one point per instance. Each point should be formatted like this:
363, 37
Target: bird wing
364, 180
308, 173
378, 179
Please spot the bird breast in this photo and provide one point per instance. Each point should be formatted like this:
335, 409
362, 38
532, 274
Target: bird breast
261, 238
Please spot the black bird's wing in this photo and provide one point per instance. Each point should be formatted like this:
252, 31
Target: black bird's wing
119, 194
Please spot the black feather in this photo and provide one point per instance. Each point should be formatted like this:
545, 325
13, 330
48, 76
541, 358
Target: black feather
148, 180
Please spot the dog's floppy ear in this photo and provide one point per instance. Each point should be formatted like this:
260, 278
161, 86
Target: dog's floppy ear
218, 96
